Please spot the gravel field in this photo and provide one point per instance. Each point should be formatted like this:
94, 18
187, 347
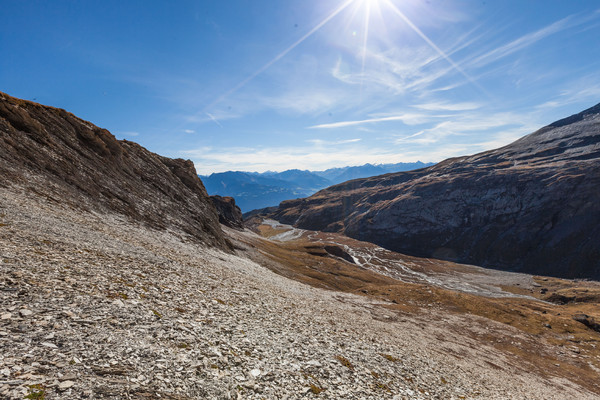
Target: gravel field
94, 306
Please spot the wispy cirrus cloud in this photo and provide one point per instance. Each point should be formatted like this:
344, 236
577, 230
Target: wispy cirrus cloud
584, 91
321, 142
305, 101
463, 133
530, 39
214, 119
447, 106
399, 70
407, 119
495, 128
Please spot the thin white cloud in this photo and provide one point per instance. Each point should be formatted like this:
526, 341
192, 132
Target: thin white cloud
214, 120
530, 39
281, 55
283, 158
583, 91
473, 127
504, 137
189, 131
407, 119
303, 101
399, 69
439, 106
129, 134
321, 142
439, 51
471, 132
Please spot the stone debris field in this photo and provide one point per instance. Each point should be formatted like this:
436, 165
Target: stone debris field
95, 306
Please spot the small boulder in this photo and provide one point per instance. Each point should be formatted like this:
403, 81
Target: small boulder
25, 312
66, 385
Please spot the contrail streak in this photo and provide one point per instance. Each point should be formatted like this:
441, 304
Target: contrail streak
280, 55
433, 45
214, 119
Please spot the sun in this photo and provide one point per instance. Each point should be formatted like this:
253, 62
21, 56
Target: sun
384, 9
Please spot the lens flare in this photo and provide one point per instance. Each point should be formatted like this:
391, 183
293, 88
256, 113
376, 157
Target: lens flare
366, 7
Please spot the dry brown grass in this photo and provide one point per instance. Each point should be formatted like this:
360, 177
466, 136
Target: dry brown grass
345, 362
268, 231
555, 345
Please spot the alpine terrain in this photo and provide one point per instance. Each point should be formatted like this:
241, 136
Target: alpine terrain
531, 206
117, 280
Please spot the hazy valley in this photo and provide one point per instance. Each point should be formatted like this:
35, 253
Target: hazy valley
253, 190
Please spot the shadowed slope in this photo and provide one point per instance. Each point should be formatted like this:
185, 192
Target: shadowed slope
51, 152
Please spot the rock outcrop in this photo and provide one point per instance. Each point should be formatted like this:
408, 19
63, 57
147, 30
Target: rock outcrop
530, 206
588, 321
229, 214
50, 152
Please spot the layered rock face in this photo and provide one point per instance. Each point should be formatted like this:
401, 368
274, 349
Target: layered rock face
531, 206
229, 214
52, 153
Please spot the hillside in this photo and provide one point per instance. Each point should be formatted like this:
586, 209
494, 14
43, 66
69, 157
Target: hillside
54, 154
97, 306
530, 206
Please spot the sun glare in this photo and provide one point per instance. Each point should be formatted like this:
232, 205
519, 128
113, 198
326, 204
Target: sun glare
365, 9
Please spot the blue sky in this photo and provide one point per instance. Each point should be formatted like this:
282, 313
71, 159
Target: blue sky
261, 85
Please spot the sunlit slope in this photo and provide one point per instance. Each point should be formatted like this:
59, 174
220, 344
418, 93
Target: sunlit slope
529, 206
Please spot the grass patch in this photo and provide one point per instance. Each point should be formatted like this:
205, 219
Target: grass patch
389, 357
315, 386
316, 389
345, 362
36, 392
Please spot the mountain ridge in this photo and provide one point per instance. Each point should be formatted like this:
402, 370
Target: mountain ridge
527, 206
66, 159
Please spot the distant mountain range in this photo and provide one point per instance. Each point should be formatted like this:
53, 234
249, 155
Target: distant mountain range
253, 190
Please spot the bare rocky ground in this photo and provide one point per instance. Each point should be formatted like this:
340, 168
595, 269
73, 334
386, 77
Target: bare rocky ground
95, 306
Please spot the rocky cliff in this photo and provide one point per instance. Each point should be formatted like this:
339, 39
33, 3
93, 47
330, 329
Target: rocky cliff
531, 206
229, 214
51, 152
